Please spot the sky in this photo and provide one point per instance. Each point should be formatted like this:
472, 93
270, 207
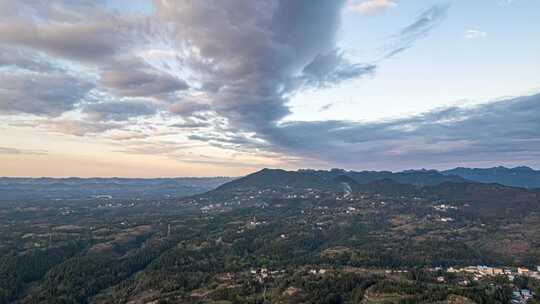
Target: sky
163, 88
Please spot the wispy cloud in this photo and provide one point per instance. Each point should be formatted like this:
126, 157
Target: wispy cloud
370, 7
15, 151
326, 107
76, 127
474, 34
119, 110
422, 26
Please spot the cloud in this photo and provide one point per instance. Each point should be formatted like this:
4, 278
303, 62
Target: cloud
326, 107
41, 94
257, 55
135, 78
24, 59
76, 127
283, 47
126, 136
154, 148
75, 30
187, 108
371, 7
230, 70
332, 69
506, 129
83, 38
190, 124
419, 29
15, 151
474, 34
245, 59
425, 22
253, 53
119, 110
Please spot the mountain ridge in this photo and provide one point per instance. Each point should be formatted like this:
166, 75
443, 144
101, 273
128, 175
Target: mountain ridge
326, 179
520, 176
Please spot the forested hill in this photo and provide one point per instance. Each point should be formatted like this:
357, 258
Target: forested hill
321, 179
275, 184
328, 179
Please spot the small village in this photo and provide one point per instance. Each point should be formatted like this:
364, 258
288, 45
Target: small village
469, 275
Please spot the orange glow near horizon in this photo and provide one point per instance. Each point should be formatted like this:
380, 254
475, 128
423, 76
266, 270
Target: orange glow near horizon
146, 167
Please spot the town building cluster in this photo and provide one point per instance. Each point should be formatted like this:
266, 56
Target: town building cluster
481, 271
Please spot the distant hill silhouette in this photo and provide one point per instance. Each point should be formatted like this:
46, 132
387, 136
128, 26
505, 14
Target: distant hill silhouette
517, 177
29, 189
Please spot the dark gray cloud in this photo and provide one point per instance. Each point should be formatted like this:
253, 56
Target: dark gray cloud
81, 36
251, 57
332, 68
75, 30
253, 52
26, 60
501, 131
87, 42
135, 78
119, 110
257, 55
41, 94
248, 56
188, 107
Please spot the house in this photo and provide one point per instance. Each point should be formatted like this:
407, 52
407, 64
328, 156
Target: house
446, 219
522, 271
470, 269
485, 270
527, 294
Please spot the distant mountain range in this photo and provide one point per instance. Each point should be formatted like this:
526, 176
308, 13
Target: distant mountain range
324, 179
517, 177
276, 184
32, 189
332, 180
